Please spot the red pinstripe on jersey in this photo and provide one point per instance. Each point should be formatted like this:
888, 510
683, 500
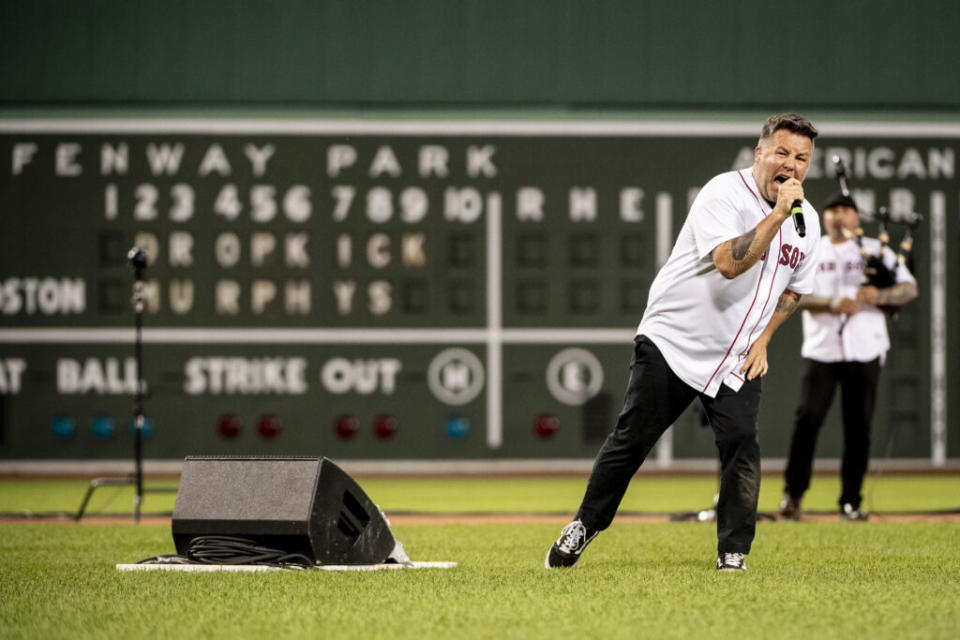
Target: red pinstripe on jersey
755, 293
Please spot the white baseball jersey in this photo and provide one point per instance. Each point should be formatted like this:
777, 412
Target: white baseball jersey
703, 323
864, 336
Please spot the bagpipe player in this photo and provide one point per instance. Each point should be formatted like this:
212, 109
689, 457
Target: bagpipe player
858, 282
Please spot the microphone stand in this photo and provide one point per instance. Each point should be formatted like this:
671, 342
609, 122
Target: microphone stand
138, 260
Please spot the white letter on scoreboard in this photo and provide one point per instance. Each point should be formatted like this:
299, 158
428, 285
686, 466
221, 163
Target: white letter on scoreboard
583, 204
340, 156
433, 160
379, 297
66, 159
344, 250
478, 161
388, 374
68, 375
385, 162
181, 249
114, 160
22, 155
228, 297
164, 159
413, 254
258, 157
297, 297
337, 375
295, 250
181, 296
215, 160
148, 242
530, 204
227, 249
151, 293
11, 370
262, 293
343, 291
631, 200
378, 250
261, 246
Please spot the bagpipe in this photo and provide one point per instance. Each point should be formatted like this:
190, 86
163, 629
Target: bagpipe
875, 271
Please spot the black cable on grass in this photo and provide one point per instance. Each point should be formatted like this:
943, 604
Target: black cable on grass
232, 550
227, 550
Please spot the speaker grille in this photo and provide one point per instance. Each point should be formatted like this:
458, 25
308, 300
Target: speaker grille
257, 489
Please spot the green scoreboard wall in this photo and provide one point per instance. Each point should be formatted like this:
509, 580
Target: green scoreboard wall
403, 289
480, 54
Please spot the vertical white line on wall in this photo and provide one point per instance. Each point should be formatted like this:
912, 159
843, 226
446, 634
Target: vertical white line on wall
938, 329
664, 244
494, 323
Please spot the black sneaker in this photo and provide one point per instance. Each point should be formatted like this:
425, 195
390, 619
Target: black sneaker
731, 562
789, 508
567, 549
852, 513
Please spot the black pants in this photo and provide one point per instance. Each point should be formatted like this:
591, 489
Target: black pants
655, 398
858, 387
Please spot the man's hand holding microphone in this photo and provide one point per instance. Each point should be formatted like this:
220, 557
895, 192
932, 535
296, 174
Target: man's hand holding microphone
790, 203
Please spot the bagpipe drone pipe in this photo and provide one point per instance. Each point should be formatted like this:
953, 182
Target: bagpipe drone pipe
875, 271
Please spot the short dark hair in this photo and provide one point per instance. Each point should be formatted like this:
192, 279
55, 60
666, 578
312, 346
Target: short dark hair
791, 122
840, 199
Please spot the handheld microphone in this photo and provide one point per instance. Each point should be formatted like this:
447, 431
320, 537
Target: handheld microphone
796, 211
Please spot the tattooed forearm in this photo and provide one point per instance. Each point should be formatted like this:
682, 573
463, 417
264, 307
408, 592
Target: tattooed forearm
740, 246
735, 256
738, 255
788, 302
897, 295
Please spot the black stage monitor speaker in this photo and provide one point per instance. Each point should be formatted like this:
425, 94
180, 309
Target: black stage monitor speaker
297, 505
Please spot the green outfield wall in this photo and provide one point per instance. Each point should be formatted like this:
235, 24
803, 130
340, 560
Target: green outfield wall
426, 229
436, 53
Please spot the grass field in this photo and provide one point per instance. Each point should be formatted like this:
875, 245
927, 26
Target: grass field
824, 579
656, 494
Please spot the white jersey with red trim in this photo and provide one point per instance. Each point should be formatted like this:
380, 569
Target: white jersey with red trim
864, 334
703, 323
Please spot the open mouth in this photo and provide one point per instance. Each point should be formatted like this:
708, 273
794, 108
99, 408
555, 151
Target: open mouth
781, 179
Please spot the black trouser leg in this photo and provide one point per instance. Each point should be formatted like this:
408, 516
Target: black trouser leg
733, 416
819, 385
858, 387
654, 399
